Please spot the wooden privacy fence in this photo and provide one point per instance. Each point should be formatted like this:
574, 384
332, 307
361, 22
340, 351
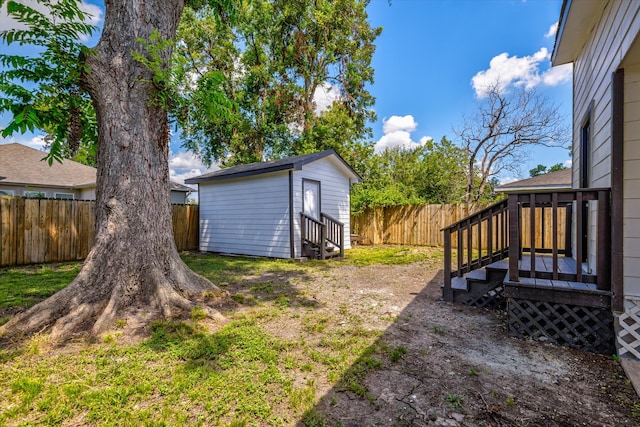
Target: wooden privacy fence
49, 230
409, 225
422, 225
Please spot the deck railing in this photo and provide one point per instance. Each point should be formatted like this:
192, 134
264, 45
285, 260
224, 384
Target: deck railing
473, 250
582, 204
318, 233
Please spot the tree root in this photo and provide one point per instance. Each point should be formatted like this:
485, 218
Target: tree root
96, 298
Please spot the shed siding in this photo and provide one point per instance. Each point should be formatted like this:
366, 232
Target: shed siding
631, 209
334, 195
248, 216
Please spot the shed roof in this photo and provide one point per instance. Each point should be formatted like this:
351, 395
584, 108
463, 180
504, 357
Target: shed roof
290, 163
558, 180
22, 165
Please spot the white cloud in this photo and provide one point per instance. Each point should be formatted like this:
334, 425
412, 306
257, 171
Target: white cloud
508, 180
557, 75
185, 160
399, 123
324, 96
397, 133
185, 165
398, 138
505, 71
424, 140
8, 23
552, 30
568, 163
36, 141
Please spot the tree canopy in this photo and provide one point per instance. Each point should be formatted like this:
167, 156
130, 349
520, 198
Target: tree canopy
542, 169
429, 173
43, 92
274, 63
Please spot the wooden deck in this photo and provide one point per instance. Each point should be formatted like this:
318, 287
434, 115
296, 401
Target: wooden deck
556, 290
494, 259
543, 265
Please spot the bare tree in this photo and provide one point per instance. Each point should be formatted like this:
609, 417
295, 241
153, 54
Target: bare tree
497, 137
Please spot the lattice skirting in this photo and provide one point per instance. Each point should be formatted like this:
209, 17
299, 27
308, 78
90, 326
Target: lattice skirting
492, 299
586, 328
629, 331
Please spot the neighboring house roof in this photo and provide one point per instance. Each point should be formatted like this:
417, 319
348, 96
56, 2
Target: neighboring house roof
174, 186
560, 180
22, 165
290, 163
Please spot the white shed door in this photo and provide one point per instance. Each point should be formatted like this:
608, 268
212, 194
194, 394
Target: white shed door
311, 201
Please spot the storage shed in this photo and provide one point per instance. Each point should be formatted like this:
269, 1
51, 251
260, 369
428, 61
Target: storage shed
289, 208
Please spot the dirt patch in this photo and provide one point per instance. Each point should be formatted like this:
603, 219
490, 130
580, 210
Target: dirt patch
456, 365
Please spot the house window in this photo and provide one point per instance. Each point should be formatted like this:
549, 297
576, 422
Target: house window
66, 196
6, 192
34, 194
585, 154
585, 180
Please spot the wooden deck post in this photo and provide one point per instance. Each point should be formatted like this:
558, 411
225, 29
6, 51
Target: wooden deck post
554, 234
514, 238
579, 231
532, 234
447, 293
603, 264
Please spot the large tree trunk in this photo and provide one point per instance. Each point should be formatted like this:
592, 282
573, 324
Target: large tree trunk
134, 266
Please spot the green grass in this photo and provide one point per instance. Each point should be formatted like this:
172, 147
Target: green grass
390, 255
182, 374
22, 287
229, 270
179, 376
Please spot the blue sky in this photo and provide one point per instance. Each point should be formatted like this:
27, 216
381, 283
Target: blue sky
431, 50
430, 60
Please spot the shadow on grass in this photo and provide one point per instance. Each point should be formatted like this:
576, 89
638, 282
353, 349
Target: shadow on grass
231, 375
253, 281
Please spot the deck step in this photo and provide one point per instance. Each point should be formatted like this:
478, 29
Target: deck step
479, 275
459, 284
499, 265
480, 288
